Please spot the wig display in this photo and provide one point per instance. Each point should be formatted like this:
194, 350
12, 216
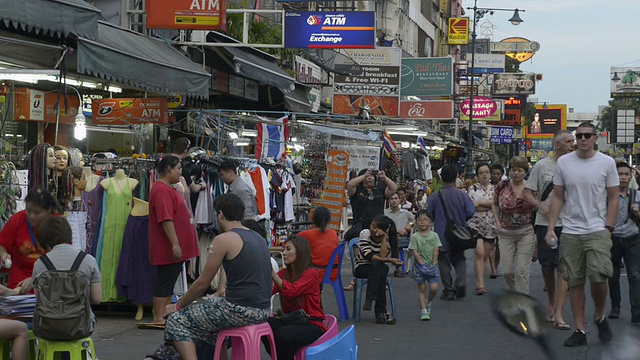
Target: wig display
39, 174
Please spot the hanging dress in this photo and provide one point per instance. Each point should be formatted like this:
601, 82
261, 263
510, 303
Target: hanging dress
136, 277
93, 202
119, 207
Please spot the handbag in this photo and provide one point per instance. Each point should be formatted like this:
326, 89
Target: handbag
457, 235
298, 317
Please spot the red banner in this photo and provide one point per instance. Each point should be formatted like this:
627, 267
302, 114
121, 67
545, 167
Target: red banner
129, 111
335, 183
187, 14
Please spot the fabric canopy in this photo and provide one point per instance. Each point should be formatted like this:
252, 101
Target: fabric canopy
131, 58
297, 100
351, 134
59, 18
260, 69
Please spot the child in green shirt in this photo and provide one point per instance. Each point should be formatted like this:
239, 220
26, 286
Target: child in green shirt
425, 245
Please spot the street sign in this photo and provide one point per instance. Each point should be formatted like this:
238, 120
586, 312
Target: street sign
501, 135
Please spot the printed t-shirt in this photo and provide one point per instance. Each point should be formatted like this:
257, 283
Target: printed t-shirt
166, 204
322, 246
515, 212
425, 245
16, 239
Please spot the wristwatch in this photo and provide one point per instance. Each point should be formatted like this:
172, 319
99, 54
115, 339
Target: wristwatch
609, 227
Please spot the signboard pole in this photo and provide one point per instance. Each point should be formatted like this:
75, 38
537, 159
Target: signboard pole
469, 173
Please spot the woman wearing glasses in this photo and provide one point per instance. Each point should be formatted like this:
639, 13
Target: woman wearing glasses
515, 230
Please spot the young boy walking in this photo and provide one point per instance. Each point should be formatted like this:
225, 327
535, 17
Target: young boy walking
425, 245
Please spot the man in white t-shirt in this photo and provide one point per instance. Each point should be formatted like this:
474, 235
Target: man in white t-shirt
538, 192
586, 188
404, 220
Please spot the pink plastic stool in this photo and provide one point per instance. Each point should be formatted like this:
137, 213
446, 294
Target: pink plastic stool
331, 323
245, 342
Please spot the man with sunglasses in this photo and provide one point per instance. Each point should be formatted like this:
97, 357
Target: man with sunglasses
586, 188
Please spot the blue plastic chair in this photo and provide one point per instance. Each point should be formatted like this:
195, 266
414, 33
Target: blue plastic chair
337, 285
361, 282
341, 347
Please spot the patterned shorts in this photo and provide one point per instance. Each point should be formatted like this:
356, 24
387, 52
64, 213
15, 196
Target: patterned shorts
425, 273
202, 321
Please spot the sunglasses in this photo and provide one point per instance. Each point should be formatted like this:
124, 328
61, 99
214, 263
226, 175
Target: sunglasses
584, 135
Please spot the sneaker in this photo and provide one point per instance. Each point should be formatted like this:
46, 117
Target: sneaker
390, 319
381, 318
424, 315
578, 338
615, 312
604, 330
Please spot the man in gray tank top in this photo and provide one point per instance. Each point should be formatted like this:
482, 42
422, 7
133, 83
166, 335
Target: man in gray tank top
246, 260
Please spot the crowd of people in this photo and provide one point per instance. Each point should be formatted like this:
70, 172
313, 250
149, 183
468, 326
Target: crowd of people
575, 212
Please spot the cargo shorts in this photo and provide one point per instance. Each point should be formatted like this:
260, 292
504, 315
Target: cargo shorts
583, 256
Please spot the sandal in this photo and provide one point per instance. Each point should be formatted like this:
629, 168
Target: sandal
549, 318
495, 275
481, 291
562, 326
349, 286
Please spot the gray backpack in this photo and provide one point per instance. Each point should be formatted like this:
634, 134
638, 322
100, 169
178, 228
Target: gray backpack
63, 303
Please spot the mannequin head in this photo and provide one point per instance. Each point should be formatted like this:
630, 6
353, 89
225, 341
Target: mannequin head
62, 159
75, 157
79, 179
41, 160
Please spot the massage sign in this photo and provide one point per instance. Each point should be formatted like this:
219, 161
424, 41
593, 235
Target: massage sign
483, 107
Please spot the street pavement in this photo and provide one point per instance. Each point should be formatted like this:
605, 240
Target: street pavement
460, 329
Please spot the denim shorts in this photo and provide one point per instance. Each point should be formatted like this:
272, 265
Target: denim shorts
425, 273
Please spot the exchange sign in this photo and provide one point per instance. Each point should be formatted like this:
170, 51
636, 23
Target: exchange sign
330, 30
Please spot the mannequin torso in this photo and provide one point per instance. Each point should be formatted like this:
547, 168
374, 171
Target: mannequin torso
92, 179
140, 208
120, 182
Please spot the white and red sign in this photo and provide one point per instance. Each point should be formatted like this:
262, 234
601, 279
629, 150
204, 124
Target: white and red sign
427, 109
482, 107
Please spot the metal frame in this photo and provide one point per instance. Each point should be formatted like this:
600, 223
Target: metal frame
245, 31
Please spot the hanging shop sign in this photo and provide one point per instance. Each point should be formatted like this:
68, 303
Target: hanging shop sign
219, 81
493, 118
310, 74
330, 30
513, 83
512, 117
517, 48
28, 104
361, 157
427, 77
427, 109
458, 31
176, 102
236, 85
335, 182
376, 88
251, 89
483, 107
501, 135
625, 82
127, 111
486, 63
67, 113
546, 122
186, 14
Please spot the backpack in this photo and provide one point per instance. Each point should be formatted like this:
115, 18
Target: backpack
63, 303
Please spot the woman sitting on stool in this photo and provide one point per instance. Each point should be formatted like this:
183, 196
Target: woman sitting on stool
299, 288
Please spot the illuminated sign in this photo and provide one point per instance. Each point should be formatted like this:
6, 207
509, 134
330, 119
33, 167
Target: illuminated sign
517, 48
546, 121
330, 30
512, 101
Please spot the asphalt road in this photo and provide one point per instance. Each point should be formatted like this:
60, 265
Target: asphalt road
461, 329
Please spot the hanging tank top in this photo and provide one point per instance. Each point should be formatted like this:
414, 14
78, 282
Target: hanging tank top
249, 280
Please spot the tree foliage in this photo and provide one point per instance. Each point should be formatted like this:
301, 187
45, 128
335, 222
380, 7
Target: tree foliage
511, 65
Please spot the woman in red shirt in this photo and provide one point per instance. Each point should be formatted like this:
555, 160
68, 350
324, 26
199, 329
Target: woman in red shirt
19, 248
172, 233
322, 241
299, 288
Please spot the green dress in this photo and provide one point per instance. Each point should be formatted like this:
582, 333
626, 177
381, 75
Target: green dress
118, 209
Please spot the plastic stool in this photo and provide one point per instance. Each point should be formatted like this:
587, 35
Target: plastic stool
81, 349
245, 342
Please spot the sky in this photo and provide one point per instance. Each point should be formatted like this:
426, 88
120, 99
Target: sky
580, 40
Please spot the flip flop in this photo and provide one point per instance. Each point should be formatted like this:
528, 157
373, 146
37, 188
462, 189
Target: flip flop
349, 287
562, 326
549, 318
481, 291
152, 326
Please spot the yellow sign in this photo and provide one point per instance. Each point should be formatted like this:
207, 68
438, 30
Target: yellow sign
176, 102
458, 31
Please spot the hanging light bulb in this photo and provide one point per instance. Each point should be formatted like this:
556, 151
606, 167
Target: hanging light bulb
80, 130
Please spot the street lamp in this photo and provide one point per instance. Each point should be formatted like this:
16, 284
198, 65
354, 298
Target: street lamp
478, 13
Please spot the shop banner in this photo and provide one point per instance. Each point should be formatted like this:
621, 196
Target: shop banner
427, 109
625, 82
334, 189
458, 31
67, 116
361, 157
482, 107
377, 87
28, 104
427, 77
547, 121
513, 83
310, 74
187, 14
512, 117
501, 135
236, 85
127, 111
330, 30
493, 118
486, 63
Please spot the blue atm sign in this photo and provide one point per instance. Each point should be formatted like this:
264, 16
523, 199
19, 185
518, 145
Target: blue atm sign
330, 30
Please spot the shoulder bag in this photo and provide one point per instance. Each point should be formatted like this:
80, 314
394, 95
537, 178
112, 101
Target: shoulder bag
458, 236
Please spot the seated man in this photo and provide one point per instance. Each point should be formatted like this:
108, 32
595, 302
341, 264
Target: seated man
54, 235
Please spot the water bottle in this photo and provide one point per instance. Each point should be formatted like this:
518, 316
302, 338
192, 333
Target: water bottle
553, 243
